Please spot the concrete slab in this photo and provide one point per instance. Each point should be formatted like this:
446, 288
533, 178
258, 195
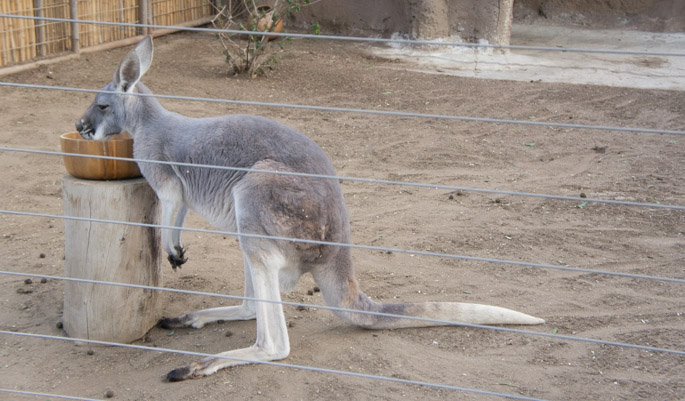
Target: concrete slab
635, 71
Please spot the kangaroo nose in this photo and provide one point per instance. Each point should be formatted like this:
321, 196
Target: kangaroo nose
79, 125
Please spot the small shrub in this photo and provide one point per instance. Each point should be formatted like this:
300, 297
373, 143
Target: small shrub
249, 53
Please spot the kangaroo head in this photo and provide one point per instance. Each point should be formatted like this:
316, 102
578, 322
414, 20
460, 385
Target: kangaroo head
109, 112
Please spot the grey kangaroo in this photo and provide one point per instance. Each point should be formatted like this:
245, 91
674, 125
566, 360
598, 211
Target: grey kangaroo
251, 202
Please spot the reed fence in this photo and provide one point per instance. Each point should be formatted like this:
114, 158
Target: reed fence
26, 40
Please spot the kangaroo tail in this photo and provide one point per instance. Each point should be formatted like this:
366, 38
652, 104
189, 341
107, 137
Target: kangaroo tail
345, 293
436, 311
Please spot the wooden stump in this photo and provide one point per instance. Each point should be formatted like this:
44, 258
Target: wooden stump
110, 252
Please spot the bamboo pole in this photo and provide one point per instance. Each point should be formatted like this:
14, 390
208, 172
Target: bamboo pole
85, 29
13, 43
44, 31
3, 45
105, 12
59, 38
101, 30
7, 52
97, 33
16, 28
28, 34
75, 37
120, 31
163, 13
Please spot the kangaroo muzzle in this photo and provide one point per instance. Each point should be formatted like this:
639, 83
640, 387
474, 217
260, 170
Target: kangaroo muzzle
85, 129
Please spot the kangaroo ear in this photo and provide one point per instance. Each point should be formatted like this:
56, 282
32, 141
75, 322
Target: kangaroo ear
134, 65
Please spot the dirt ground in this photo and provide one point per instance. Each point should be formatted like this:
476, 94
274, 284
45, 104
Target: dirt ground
609, 165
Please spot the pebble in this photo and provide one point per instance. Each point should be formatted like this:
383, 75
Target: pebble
109, 393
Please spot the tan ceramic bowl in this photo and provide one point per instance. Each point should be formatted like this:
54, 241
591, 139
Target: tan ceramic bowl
99, 169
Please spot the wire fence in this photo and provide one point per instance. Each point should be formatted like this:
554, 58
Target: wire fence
360, 179
339, 309
44, 395
367, 111
358, 246
281, 365
397, 41
615, 203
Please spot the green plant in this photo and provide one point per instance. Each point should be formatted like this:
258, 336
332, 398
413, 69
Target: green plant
251, 53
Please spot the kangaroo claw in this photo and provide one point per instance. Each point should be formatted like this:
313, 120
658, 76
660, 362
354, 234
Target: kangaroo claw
179, 374
177, 260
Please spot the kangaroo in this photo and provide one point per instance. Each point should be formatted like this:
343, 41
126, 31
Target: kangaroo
251, 202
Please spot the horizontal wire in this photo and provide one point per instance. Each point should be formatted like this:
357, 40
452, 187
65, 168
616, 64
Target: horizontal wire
289, 303
360, 111
48, 395
355, 179
34, 394
276, 364
358, 311
355, 246
355, 38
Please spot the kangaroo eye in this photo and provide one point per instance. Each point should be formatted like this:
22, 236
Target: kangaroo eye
103, 107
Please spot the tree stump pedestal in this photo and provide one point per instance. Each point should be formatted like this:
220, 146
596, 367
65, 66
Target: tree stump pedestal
110, 252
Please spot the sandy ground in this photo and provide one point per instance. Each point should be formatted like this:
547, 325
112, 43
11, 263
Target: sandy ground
611, 165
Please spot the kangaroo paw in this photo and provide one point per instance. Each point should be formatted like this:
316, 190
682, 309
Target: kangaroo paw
180, 374
192, 371
177, 260
173, 322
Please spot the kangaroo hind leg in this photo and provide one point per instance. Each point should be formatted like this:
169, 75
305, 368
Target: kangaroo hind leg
272, 335
198, 319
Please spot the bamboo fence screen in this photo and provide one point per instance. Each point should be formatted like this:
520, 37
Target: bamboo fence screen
26, 40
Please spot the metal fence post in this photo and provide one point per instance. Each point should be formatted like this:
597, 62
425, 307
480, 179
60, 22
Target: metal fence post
73, 14
144, 16
40, 27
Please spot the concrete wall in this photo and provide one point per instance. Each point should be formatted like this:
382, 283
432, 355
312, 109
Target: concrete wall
470, 20
490, 20
648, 15
355, 16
